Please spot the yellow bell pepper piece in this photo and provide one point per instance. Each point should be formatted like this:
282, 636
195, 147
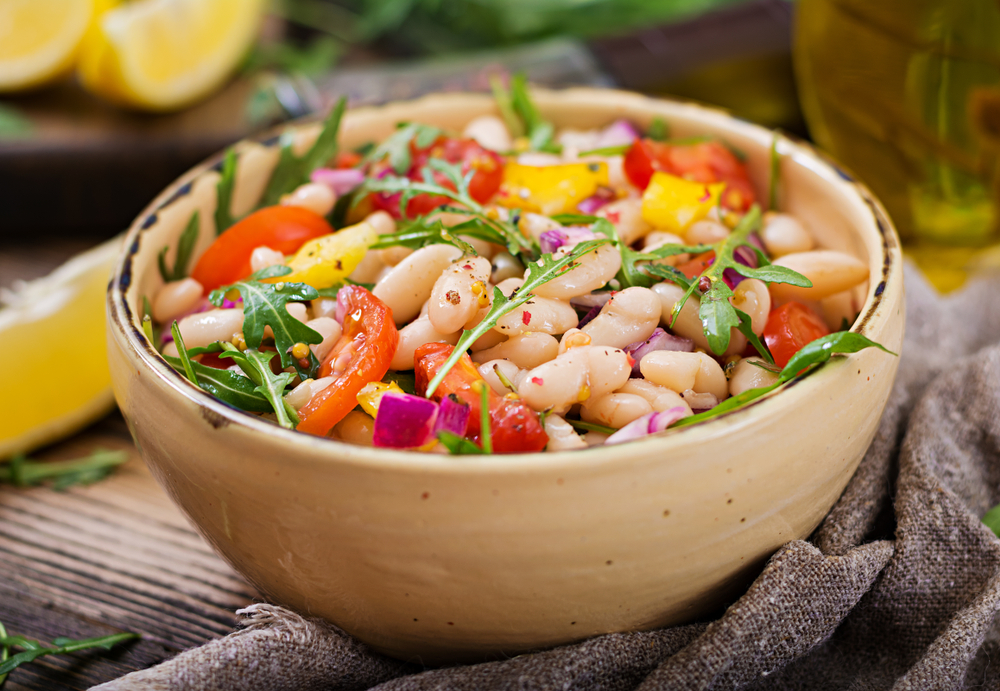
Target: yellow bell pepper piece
550, 189
371, 394
672, 204
329, 259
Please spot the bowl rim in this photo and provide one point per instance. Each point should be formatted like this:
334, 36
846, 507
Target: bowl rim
218, 414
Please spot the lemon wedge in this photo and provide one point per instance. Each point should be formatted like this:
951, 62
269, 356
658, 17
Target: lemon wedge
54, 377
39, 39
165, 54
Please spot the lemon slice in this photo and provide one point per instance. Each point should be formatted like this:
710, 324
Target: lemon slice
39, 39
54, 377
165, 54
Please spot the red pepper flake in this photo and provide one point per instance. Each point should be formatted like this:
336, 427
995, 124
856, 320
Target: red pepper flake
538, 381
526, 318
614, 216
707, 195
631, 360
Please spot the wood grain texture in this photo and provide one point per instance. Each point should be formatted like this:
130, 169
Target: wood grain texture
114, 556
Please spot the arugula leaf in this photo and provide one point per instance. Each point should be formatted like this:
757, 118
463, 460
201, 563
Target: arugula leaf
591, 427
397, 146
522, 116
426, 231
24, 472
485, 434
506, 108
257, 366
229, 387
405, 380
265, 304
575, 219
224, 193
539, 272
185, 246
631, 273
746, 328
669, 273
458, 446
185, 360
35, 649
293, 170
992, 520
658, 130
809, 358
607, 151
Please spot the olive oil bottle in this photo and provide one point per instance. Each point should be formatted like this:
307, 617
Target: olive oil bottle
906, 93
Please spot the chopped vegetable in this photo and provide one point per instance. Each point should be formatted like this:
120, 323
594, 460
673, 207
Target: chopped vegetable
671, 203
404, 421
329, 259
551, 189
185, 245
370, 396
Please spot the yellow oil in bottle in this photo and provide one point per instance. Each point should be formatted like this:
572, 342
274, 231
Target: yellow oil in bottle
906, 93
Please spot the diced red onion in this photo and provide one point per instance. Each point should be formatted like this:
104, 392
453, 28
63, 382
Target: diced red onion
590, 205
404, 421
650, 423
589, 316
618, 133
453, 416
659, 340
341, 313
340, 180
551, 240
745, 256
167, 336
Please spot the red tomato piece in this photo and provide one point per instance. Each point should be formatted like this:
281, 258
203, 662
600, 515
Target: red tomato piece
706, 162
282, 228
789, 328
370, 333
696, 265
347, 159
485, 183
514, 427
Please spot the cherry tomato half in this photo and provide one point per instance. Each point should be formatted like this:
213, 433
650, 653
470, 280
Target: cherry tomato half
789, 328
485, 183
370, 333
694, 267
701, 162
514, 427
282, 228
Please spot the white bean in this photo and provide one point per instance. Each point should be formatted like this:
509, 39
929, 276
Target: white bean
408, 285
304, 392
490, 132
488, 370
298, 310
711, 378
745, 376
660, 397
595, 439
592, 271
355, 428
391, 256
615, 409
626, 216
839, 308
538, 314
483, 248
324, 307
459, 293
752, 297
630, 315
414, 335
330, 330
562, 436
313, 196
706, 232
505, 266
658, 239
830, 272
369, 269
574, 377
176, 298
203, 328
688, 322
673, 370
574, 338
382, 222
783, 234
527, 350
699, 401
263, 257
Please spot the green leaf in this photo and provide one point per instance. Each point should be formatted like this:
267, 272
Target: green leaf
576, 219
24, 472
426, 231
265, 304
406, 380
185, 247
718, 316
822, 349
224, 193
992, 520
669, 273
542, 271
727, 405
522, 116
35, 649
458, 446
257, 366
746, 328
774, 274
293, 170
506, 108
485, 434
591, 427
229, 387
14, 124
396, 146
607, 151
658, 130
185, 359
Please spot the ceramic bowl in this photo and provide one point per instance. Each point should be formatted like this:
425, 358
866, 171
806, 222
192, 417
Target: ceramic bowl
445, 559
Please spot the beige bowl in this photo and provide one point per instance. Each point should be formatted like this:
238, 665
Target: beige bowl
446, 559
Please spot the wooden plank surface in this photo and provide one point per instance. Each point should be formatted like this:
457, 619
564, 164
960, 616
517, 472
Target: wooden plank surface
114, 556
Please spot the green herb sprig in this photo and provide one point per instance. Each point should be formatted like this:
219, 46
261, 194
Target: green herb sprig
265, 304
257, 366
522, 115
185, 246
32, 649
591, 427
538, 272
293, 170
806, 360
396, 148
24, 472
224, 193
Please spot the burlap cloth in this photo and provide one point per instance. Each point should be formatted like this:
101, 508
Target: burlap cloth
899, 588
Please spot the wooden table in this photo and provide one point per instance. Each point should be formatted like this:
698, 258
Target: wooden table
115, 556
